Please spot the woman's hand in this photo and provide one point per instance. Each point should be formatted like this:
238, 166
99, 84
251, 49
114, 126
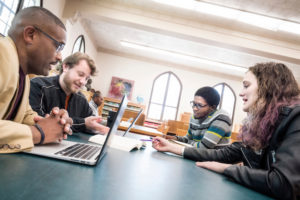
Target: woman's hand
161, 144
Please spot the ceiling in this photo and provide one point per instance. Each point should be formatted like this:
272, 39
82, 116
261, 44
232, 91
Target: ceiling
190, 33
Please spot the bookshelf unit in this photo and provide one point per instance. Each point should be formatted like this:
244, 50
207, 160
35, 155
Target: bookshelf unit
111, 104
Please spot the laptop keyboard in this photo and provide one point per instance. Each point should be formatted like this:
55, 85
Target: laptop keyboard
82, 151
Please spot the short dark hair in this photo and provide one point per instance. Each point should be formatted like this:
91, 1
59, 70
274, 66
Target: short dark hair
75, 58
97, 94
32, 15
56, 20
210, 95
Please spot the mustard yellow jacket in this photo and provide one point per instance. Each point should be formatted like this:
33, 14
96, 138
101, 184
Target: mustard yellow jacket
15, 135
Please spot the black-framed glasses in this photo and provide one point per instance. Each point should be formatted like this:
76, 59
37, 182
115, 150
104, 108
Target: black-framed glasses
58, 45
197, 105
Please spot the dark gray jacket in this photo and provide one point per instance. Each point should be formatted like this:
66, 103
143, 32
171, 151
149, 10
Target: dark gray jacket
276, 171
46, 93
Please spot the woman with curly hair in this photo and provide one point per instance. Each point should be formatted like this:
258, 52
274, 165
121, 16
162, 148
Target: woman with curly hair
270, 136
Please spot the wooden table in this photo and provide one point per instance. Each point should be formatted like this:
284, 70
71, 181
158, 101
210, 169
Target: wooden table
138, 175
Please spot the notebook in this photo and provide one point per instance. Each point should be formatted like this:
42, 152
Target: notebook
89, 154
122, 143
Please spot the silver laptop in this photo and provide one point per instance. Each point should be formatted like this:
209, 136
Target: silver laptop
88, 154
132, 124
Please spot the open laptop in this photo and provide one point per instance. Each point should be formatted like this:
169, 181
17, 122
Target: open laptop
89, 154
133, 122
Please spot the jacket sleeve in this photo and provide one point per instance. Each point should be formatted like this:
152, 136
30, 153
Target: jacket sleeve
14, 136
79, 122
282, 181
12, 139
35, 97
29, 113
229, 154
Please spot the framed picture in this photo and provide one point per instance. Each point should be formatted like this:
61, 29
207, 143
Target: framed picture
120, 87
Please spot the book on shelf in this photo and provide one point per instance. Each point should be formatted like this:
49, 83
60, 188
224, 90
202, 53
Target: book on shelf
152, 123
119, 142
112, 105
109, 109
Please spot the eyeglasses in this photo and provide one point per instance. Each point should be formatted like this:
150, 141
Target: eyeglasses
197, 105
58, 45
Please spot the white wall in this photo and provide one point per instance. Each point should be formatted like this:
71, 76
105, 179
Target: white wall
73, 26
75, 29
55, 6
143, 73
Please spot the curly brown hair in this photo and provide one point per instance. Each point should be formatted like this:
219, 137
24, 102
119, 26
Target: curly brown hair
277, 87
75, 58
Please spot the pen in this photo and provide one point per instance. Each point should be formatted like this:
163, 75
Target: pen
146, 140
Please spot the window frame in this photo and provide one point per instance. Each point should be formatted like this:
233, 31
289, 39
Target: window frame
80, 45
222, 94
165, 95
19, 7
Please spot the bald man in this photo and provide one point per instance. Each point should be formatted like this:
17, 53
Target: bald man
34, 42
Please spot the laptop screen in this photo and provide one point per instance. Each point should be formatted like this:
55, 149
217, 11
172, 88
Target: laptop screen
132, 124
114, 127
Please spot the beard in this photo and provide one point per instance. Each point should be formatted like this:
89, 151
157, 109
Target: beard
68, 82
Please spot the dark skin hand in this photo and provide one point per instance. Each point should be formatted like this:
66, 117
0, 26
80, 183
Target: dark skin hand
56, 126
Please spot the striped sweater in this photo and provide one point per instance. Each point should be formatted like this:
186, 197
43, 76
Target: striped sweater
212, 132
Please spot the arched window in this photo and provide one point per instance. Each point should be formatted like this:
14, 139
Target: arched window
228, 98
8, 9
79, 45
165, 97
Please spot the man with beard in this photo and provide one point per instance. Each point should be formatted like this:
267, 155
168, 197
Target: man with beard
63, 91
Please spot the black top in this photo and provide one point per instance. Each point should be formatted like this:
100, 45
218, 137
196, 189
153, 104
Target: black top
274, 171
46, 93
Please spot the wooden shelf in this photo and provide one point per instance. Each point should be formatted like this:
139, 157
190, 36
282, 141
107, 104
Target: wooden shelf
111, 104
115, 106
